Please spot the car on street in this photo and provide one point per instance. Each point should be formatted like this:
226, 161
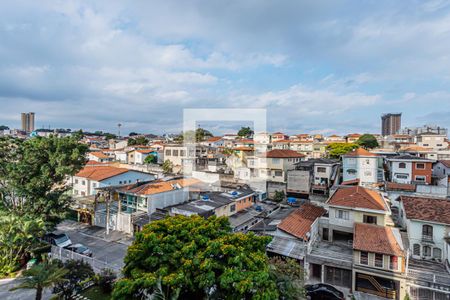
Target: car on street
322, 291
80, 249
61, 240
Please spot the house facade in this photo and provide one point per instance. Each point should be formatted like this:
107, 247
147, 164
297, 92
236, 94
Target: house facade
410, 169
364, 166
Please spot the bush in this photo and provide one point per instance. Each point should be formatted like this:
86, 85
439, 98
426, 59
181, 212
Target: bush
105, 280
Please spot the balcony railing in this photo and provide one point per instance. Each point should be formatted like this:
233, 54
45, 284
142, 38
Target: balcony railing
427, 239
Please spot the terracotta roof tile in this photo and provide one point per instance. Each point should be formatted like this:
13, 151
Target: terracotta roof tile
156, 187
427, 209
214, 139
299, 222
358, 197
99, 173
99, 154
278, 153
360, 152
393, 186
376, 239
446, 163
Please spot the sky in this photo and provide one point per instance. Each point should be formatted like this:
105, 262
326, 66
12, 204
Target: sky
316, 66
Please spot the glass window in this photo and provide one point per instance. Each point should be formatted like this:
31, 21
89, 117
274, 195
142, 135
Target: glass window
426, 251
416, 249
342, 214
402, 165
168, 152
364, 258
182, 152
393, 262
369, 219
175, 152
83, 182
378, 260
427, 231
437, 253
420, 166
278, 173
76, 181
232, 207
321, 169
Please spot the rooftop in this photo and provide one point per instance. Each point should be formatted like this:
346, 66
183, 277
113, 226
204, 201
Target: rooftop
358, 197
299, 222
279, 153
377, 239
427, 209
99, 173
159, 186
359, 152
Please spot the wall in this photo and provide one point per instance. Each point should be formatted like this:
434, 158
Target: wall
163, 200
415, 235
424, 172
395, 169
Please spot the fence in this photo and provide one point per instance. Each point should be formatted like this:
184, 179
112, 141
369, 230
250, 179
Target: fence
98, 265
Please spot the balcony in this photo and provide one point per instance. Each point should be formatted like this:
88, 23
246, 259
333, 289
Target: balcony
427, 239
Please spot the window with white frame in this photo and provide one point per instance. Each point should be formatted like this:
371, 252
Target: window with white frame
420, 166
364, 258
420, 178
378, 260
427, 251
342, 214
437, 253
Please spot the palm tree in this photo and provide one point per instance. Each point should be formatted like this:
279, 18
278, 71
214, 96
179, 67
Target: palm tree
43, 275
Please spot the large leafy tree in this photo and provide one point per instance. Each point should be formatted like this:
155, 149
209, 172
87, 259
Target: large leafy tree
198, 135
33, 174
151, 159
4, 127
79, 272
18, 237
335, 150
245, 132
140, 141
167, 166
367, 141
289, 277
196, 258
43, 275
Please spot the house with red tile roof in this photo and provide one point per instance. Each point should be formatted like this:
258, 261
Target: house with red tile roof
355, 204
94, 176
427, 221
99, 156
363, 165
299, 222
379, 261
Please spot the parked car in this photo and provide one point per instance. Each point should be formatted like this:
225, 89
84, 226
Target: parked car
80, 249
323, 291
60, 240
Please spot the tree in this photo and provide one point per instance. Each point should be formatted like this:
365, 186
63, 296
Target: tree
105, 280
151, 159
245, 132
198, 135
335, 150
167, 166
33, 175
289, 277
41, 276
137, 141
133, 133
198, 257
367, 141
4, 127
109, 136
19, 235
79, 272
279, 196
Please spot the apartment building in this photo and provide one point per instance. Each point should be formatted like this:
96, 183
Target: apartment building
410, 169
362, 166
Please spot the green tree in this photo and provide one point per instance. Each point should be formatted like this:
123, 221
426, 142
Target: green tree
167, 166
105, 280
335, 150
198, 135
279, 196
109, 136
200, 258
138, 141
133, 133
245, 132
79, 272
367, 141
151, 159
41, 276
289, 277
19, 235
33, 175
4, 127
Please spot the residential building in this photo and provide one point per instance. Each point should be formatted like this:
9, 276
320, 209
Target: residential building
262, 138
352, 138
362, 166
214, 141
92, 177
138, 157
279, 136
391, 123
99, 156
432, 140
410, 169
28, 121
426, 128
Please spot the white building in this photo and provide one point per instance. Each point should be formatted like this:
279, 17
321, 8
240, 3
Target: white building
362, 165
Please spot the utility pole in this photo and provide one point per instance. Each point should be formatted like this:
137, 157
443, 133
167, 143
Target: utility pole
107, 199
118, 126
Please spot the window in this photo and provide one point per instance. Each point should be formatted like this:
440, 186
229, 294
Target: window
325, 233
439, 145
416, 249
367, 161
364, 258
342, 214
339, 277
420, 178
426, 145
76, 181
437, 253
120, 182
321, 170
393, 262
175, 152
168, 152
351, 171
278, 173
275, 161
232, 207
420, 166
427, 232
378, 260
402, 165
369, 219
182, 152
401, 176
94, 185
83, 182
427, 251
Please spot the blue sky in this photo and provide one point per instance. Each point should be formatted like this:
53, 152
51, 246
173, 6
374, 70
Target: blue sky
317, 66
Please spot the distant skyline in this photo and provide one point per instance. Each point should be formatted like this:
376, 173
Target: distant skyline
317, 66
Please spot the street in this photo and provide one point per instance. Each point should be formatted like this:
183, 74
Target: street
110, 249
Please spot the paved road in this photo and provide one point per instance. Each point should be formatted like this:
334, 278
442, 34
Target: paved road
7, 284
107, 248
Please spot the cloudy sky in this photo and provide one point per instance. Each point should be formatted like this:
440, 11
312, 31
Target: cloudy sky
316, 66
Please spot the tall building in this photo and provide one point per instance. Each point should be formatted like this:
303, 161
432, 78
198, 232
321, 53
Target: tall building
391, 123
28, 121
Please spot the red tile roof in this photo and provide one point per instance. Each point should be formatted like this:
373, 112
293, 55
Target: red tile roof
99, 173
214, 139
358, 197
446, 163
299, 222
393, 186
427, 209
360, 152
376, 239
99, 154
279, 153
157, 187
